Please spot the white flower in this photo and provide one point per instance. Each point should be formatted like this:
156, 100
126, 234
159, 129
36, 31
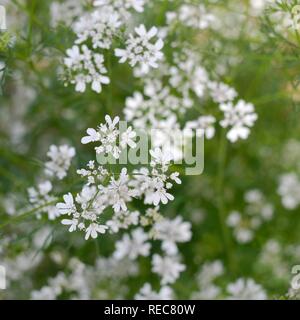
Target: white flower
257, 211
89, 206
100, 26
204, 126
239, 117
174, 176
146, 293
221, 92
207, 275
46, 293
123, 220
258, 6
171, 232
195, 16
119, 193
72, 223
103, 190
209, 272
92, 136
85, 67
122, 5
68, 206
110, 123
289, 190
111, 140
93, 229
73, 57
241, 227
160, 157
243, 235
160, 194
65, 12
139, 49
233, 219
133, 246
210, 292
60, 160
168, 268
246, 289
155, 187
41, 198
127, 138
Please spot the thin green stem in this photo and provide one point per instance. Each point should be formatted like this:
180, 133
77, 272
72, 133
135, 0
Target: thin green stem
25, 215
220, 200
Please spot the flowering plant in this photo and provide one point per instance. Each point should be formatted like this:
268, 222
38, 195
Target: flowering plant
79, 222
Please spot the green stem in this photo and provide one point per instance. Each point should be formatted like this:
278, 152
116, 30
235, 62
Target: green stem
25, 215
220, 200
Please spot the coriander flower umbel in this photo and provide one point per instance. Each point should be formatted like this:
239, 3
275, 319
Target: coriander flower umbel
139, 49
84, 212
221, 92
85, 67
108, 135
246, 289
204, 126
147, 293
133, 246
194, 16
60, 160
104, 189
100, 26
41, 199
289, 190
239, 117
65, 12
155, 184
171, 232
168, 268
121, 5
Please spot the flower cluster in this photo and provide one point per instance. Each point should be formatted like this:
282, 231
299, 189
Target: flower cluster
108, 135
169, 232
206, 277
96, 32
289, 190
194, 16
98, 27
187, 78
85, 67
241, 289
42, 197
246, 289
239, 118
65, 12
83, 281
61, 157
42, 200
174, 82
139, 49
161, 106
105, 189
147, 293
257, 211
204, 126
123, 7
